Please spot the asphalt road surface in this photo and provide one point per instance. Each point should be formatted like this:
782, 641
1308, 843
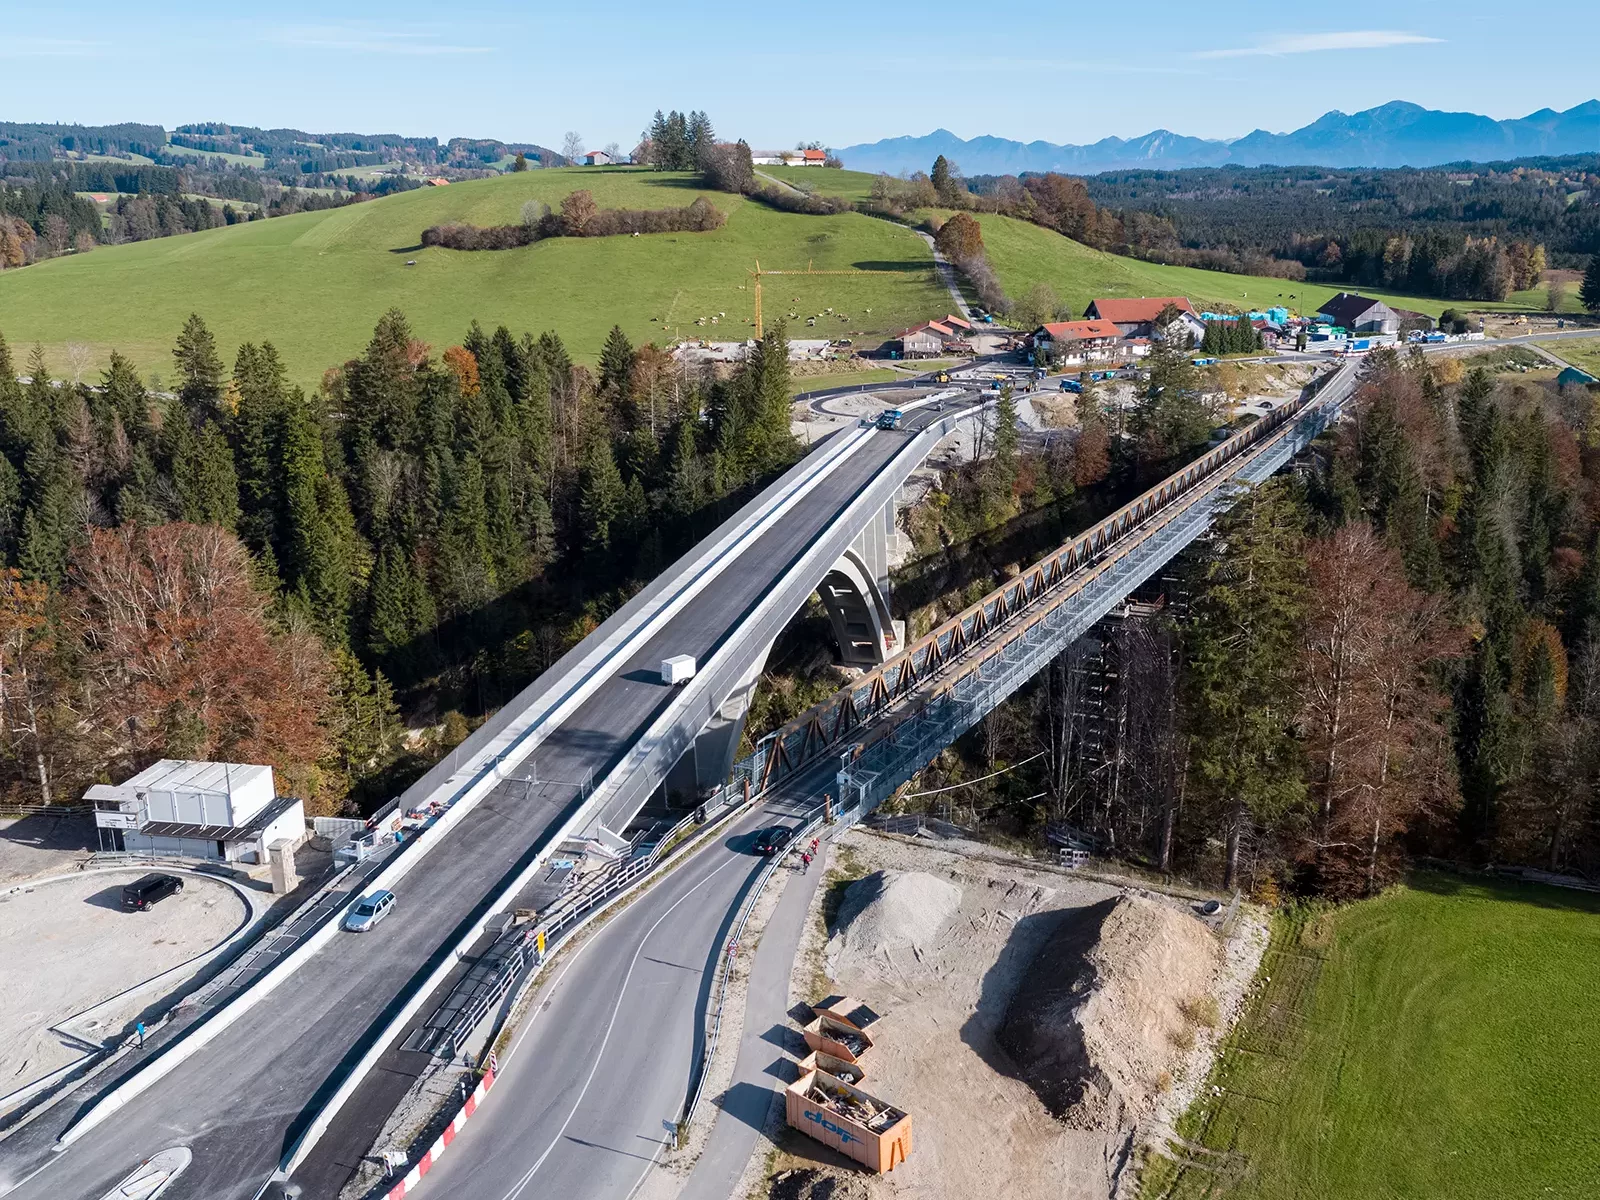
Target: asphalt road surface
597, 1079
240, 1102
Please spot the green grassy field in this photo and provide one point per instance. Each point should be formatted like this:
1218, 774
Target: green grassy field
1437, 1043
855, 186
1023, 255
1581, 353
315, 283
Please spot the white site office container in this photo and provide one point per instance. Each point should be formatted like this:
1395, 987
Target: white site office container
677, 669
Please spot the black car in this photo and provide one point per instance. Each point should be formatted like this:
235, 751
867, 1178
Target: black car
152, 889
773, 841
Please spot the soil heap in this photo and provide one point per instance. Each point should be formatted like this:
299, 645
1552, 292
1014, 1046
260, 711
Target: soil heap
1096, 1023
890, 913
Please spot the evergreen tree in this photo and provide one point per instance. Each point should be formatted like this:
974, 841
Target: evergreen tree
1243, 643
199, 369
315, 568
939, 176
701, 138
203, 476
685, 474
467, 561
124, 394
1000, 472
616, 365
600, 495
397, 601
11, 510
1590, 292
257, 433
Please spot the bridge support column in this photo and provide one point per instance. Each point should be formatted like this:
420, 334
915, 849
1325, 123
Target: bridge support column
708, 762
855, 594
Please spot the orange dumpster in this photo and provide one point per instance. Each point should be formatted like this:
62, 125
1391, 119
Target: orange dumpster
871, 1131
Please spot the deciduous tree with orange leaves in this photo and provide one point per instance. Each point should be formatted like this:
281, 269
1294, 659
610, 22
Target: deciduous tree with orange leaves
181, 661
1377, 747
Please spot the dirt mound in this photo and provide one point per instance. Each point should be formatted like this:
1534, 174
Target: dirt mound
812, 1183
1099, 1021
890, 914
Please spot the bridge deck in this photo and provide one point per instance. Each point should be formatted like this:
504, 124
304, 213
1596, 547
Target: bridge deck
236, 1103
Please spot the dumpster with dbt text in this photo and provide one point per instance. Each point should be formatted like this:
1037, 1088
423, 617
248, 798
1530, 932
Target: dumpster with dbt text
871, 1131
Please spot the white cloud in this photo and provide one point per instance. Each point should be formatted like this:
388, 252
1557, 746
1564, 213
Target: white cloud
1311, 43
40, 47
363, 39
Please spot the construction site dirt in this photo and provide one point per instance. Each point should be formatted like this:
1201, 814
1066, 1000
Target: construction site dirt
943, 943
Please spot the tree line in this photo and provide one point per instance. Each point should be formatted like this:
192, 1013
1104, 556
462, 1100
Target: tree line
246, 570
578, 216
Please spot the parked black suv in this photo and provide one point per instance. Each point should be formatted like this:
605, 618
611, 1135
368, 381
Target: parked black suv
152, 889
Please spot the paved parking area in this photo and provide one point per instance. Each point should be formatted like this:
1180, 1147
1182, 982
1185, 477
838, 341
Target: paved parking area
77, 949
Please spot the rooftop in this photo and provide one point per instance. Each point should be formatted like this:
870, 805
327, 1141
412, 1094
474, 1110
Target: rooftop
181, 775
1128, 311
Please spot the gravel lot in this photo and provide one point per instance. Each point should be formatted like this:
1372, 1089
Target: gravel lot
78, 948
39, 845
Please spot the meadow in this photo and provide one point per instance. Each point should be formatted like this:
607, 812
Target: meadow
1023, 254
1437, 1041
315, 283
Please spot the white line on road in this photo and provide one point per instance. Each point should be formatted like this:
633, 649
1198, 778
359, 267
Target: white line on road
622, 992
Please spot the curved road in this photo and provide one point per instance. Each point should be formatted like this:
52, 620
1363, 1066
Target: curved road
592, 1090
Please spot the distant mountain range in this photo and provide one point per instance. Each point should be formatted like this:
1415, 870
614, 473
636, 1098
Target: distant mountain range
1396, 134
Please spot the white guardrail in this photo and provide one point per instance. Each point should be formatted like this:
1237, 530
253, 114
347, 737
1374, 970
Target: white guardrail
486, 769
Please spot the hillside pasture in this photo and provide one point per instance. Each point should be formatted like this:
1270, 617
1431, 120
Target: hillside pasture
315, 283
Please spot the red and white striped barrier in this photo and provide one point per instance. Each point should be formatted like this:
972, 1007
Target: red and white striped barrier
425, 1164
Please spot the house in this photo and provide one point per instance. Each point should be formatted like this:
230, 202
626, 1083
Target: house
1074, 343
437, 181
221, 812
926, 340
1140, 318
1360, 314
766, 158
596, 158
805, 158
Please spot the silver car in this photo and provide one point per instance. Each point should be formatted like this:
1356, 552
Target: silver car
369, 910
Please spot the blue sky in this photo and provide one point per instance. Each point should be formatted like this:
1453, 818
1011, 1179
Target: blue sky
776, 74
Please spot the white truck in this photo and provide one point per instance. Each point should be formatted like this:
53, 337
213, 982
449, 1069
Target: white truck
677, 670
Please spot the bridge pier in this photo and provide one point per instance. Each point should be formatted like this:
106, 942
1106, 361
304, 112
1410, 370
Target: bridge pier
708, 762
855, 593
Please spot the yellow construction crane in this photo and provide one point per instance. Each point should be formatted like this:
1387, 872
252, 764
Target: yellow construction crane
810, 270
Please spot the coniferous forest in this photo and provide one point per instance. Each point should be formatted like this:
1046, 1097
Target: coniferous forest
241, 570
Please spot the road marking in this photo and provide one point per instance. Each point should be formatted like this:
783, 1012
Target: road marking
522, 1184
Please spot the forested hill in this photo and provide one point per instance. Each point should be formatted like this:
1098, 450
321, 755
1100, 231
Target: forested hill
1292, 212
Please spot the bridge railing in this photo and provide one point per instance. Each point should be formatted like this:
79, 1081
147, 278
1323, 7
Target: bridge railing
1072, 567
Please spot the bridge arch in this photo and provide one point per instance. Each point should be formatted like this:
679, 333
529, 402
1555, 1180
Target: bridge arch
858, 611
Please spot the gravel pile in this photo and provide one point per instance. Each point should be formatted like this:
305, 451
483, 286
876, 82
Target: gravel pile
889, 915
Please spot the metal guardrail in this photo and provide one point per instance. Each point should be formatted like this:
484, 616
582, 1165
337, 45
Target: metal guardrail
566, 913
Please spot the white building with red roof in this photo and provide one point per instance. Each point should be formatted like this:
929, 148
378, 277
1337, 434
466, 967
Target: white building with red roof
1142, 317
